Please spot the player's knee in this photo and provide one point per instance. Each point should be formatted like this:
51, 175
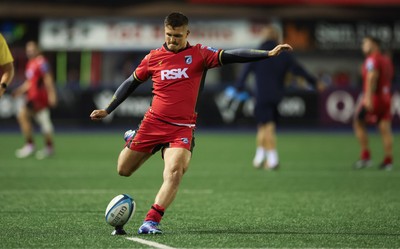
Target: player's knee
175, 174
123, 170
43, 118
185, 168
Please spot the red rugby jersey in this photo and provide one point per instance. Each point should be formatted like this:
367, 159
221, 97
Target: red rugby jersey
177, 79
384, 66
36, 68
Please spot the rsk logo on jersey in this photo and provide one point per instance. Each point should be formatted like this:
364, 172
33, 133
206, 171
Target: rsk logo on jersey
173, 74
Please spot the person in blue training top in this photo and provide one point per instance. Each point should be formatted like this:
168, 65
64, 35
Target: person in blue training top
269, 78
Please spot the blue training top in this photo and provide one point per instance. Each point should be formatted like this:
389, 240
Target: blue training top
270, 74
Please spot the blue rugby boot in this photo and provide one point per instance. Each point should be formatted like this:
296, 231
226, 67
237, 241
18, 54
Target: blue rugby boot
149, 227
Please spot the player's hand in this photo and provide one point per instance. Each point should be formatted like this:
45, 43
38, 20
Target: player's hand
2, 91
230, 92
52, 100
279, 48
98, 114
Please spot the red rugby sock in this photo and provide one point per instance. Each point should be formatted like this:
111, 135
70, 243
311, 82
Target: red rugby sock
388, 160
365, 155
49, 143
155, 213
29, 140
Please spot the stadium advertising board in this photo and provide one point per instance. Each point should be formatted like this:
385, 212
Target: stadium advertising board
143, 34
337, 107
296, 108
348, 35
333, 108
109, 34
339, 35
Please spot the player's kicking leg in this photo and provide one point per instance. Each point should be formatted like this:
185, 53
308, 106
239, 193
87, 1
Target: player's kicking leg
128, 162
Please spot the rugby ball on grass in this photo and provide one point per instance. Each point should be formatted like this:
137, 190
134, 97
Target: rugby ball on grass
120, 210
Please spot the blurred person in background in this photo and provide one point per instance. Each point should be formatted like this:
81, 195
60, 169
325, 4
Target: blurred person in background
6, 66
40, 95
177, 69
374, 105
270, 87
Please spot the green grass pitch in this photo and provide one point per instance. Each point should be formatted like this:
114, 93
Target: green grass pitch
315, 200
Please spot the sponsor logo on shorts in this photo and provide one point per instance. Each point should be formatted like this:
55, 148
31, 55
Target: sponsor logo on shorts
212, 49
185, 140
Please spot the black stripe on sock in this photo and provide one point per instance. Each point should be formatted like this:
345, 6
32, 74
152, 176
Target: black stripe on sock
158, 211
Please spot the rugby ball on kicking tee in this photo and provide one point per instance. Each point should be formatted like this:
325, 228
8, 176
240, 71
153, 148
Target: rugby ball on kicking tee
120, 210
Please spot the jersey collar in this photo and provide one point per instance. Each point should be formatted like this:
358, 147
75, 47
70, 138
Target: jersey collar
167, 49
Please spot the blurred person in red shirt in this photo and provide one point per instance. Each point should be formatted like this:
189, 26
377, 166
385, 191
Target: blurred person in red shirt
40, 95
375, 103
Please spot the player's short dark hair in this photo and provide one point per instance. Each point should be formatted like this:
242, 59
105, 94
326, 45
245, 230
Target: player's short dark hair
176, 19
374, 39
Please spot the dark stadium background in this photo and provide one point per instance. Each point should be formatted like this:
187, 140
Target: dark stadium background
315, 200
336, 63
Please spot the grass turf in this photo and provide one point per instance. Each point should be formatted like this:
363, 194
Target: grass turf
314, 200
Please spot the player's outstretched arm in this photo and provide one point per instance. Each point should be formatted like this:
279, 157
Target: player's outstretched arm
123, 91
242, 55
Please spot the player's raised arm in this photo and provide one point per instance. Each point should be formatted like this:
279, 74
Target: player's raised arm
242, 55
123, 91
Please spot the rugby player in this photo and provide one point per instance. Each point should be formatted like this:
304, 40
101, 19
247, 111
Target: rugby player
40, 95
270, 78
375, 102
177, 70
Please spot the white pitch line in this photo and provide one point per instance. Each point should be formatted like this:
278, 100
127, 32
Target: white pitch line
97, 191
150, 243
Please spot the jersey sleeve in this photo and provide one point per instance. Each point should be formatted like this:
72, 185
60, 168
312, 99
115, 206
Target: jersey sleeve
44, 67
5, 54
142, 71
210, 55
371, 64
